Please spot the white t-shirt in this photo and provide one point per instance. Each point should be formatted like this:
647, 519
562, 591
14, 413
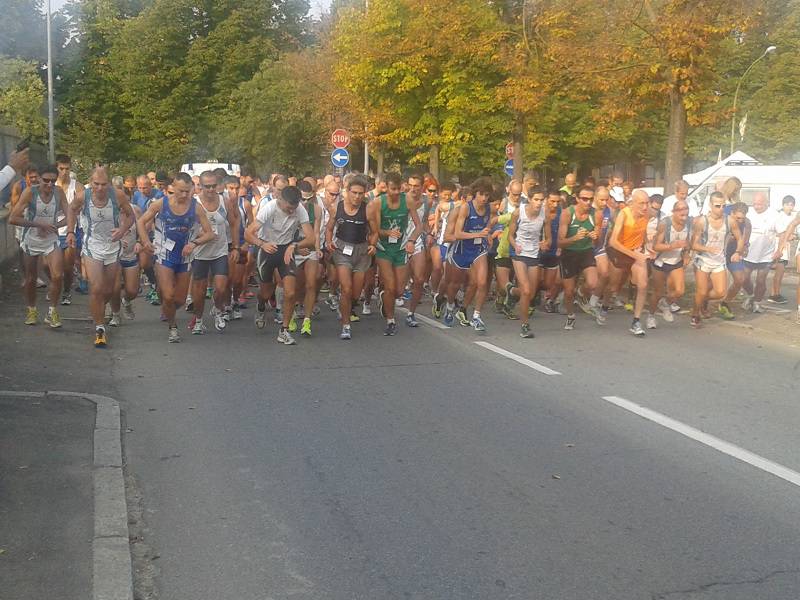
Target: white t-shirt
782, 225
278, 227
763, 237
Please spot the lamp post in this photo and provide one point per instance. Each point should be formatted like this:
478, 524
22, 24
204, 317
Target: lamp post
51, 153
769, 50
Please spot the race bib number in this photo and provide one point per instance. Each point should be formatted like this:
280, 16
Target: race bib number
169, 244
393, 240
477, 241
347, 250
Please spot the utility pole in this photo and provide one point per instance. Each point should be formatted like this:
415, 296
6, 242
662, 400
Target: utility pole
51, 153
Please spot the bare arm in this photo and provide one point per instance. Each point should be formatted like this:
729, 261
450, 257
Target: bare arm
144, 221
18, 210
330, 226
374, 219
512, 231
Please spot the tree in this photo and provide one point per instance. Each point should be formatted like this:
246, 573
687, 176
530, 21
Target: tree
22, 97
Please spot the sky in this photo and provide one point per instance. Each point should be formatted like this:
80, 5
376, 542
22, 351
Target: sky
317, 6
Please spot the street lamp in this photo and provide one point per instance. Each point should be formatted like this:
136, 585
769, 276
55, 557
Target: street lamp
769, 50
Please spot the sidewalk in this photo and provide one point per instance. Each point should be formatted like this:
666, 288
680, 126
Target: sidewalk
63, 514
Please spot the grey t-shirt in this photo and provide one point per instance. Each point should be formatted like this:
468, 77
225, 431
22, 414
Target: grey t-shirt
277, 227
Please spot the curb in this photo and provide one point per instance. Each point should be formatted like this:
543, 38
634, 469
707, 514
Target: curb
112, 572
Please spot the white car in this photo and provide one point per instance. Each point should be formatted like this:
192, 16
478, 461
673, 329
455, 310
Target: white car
198, 167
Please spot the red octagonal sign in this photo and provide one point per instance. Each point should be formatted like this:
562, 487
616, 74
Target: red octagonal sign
340, 138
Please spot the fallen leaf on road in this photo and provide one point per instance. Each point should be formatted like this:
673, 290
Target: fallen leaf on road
192, 407
23, 467
570, 445
556, 476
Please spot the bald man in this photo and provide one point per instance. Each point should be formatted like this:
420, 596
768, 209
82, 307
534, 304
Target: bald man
105, 215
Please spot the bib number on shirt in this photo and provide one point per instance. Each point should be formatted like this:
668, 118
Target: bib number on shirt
477, 241
347, 250
393, 240
169, 244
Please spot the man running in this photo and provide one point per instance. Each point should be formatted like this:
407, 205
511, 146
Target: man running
126, 288
418, 263
785, 217
307, 260
348, 236
273, 232
176, 218
625, 253
527, 236
761, 253
672, 247
105, 215
39, 212
783, 244
389, 216
212, 258
577, 232
145, 194
70, 186
473, 227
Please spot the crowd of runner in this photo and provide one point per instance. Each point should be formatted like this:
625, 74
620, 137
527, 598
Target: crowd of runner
352, 242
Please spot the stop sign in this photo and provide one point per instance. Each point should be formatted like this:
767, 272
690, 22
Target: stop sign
340, 138
510, 150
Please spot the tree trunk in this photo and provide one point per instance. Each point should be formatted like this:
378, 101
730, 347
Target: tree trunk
379, 151
518, 139
433, 161
676, 142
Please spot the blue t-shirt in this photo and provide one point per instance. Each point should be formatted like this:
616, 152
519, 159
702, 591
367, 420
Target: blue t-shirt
142, 201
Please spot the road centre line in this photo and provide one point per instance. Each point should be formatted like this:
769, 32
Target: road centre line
516, 357
424, 319
731, 450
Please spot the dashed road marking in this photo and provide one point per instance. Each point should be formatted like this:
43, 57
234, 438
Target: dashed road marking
424, 319
709, 440
516, 357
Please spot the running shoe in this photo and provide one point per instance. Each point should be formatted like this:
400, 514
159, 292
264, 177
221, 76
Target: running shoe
174, 336
695, 322
278, 318
227, 313
674, 307
666, 311
391, 329
407, 295
100, 340
411, 320
190, 325
300, 311
636, 328
399, 302
583, 303
66, 299
209, 293
777, 299
478, 325
629, 306
306, 328
436, 305
219, 321
248, 295
366, 309
155, 300
345, 334
316, 311
260, 318
747, 303
602, 316
510, 301
354, 318
199, 327
52, 318
757, 308
525, 331
32, 316
651, 322
115, 320
725, 312
293, 324
549, 306
510, 314
236, 313
189, 304
325, 288
285, 338
127, 310
569, 324
450, 317
462, 317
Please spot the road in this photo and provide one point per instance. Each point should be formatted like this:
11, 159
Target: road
426, 466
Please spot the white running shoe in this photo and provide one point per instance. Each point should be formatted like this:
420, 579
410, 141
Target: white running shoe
651, 322
366, 309
666, 313
127, 310
199, 328
174, 336
285, 338
115, 321
219, 321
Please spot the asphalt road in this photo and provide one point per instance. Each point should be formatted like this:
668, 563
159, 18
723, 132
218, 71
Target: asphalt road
426, 466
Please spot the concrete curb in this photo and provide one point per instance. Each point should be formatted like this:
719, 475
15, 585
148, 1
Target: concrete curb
112, 572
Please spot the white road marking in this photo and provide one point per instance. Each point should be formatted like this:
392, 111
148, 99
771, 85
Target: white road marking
732, 450
424, 319
521, 360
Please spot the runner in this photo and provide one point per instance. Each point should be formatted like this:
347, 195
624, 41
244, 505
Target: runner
761, 252
671, 245
527, 235
735, 250
549, 257
126, 288
438, 250
212, 259
176, 217
785, 217
39, 212
418, 262
709, 236
347, 236
625, 253
389, 216
474, 222
577, 232
273, 232
503, 267
605, 214
307, 261
69, 185
783, 244
105, 215
237, 265
145, 194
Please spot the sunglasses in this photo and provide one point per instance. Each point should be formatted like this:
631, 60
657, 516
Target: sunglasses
432, 191
209, 186
47, 180
583, 199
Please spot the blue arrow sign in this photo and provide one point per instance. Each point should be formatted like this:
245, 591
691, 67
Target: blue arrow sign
340, 157
509, 167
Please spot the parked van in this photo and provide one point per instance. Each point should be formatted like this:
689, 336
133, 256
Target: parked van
197, 168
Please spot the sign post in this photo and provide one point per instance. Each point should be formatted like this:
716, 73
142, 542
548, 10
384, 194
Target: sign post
509, 167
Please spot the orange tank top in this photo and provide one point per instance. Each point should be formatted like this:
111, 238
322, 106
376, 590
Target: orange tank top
633, 230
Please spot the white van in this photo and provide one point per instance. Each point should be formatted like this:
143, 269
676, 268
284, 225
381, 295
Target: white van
197, 168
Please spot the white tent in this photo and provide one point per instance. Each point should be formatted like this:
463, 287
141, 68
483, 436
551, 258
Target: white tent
737, 159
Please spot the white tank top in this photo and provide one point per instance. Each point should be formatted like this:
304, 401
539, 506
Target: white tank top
97, 223
673, 257
715, 240
70, 194
218, 219
43, 212
529, 232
